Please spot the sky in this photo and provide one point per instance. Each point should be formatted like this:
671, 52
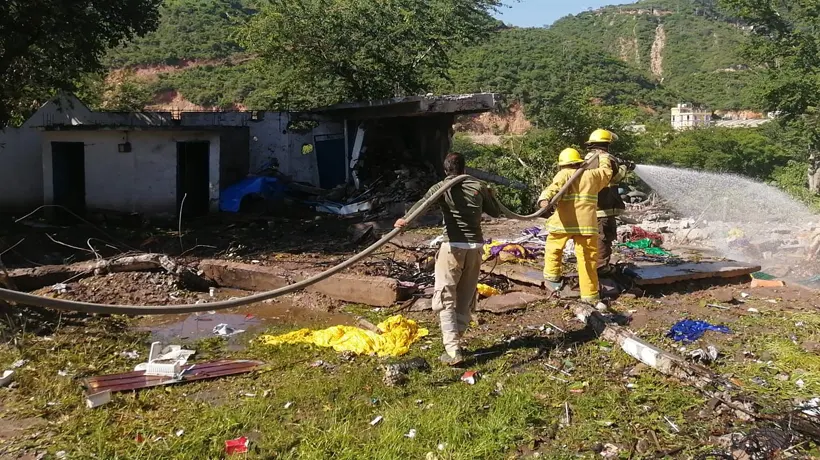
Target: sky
538, 13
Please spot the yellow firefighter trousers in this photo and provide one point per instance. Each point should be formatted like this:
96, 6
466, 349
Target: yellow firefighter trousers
586, 251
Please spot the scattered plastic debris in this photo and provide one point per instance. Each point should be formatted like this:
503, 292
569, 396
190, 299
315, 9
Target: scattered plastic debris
98, 399
707, 355
376, 420
811, 408
396, 373
288, 404
411, 434
236, 446
179, 433
19, 363
6, 378
487, 291
166, 361
133, 354
610, 451
760, 381
60, 288
800, 384
753, 310
690, 330
436, 242
470, 377
224, 330
60, 454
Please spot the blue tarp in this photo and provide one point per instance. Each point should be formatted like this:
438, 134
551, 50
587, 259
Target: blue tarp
268, 188
690, 330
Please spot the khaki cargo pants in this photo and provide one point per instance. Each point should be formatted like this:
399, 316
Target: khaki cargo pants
455, 295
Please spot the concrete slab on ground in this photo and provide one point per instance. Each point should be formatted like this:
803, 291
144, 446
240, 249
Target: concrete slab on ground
377, 291
247, 277
667, 274
509, 302
523, 274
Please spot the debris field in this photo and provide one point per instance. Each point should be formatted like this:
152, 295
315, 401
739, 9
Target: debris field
733, 372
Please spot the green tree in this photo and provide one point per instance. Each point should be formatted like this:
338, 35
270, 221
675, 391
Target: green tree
371, 49
787, 42
47, 45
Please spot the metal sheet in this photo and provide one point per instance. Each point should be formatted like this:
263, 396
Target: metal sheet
129, 381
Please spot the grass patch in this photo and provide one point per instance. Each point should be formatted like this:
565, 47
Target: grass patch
514, 410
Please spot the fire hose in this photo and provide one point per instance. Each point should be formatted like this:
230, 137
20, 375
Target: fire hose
24, 298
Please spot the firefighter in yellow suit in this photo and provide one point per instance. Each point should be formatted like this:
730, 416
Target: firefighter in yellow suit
575, 219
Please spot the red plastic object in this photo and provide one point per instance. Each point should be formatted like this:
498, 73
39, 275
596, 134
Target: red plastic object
236, 446
470, 377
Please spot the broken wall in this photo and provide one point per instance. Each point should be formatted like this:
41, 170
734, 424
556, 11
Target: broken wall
269, 140
143, 180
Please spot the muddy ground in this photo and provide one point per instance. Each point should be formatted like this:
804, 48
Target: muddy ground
538, 362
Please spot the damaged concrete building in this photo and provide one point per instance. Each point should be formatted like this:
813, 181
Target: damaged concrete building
148, 162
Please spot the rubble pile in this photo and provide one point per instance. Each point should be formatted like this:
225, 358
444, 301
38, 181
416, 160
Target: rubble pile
385, 196
784, 250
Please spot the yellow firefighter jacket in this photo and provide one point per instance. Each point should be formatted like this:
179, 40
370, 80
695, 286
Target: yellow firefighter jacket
575, 212
610, 203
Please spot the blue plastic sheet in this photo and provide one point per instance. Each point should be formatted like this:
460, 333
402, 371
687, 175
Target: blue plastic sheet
268, 188
690, 330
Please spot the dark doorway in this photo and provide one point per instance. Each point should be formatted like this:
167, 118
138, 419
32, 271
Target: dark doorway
68, 177
330, 157
193, 178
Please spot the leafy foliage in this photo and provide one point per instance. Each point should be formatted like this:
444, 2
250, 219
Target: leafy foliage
190, 29
46, 45
369, 49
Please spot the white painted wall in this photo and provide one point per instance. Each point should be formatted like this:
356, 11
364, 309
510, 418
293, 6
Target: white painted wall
21, 178
143, 180
269, 140
21, 174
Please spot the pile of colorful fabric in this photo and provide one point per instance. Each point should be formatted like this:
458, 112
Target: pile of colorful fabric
638, 234
505, 252
646, 250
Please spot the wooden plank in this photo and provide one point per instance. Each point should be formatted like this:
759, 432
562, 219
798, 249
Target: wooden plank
667, 274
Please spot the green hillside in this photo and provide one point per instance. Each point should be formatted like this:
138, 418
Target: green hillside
649, 54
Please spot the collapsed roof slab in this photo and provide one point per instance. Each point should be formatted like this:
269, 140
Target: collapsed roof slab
408, 106
646, 275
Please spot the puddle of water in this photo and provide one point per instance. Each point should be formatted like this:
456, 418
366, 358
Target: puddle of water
250, 318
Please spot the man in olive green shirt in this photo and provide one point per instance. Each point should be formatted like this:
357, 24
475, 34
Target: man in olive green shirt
458, 263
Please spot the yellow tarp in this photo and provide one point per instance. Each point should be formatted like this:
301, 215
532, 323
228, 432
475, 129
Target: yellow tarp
398, 333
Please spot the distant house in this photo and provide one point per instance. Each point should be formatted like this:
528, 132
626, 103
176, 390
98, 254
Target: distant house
687, 116
148, 162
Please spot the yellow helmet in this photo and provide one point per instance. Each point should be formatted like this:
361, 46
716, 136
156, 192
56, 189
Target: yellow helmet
569, 157
602, 136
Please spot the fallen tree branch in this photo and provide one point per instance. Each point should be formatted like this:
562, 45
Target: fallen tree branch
30, 279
